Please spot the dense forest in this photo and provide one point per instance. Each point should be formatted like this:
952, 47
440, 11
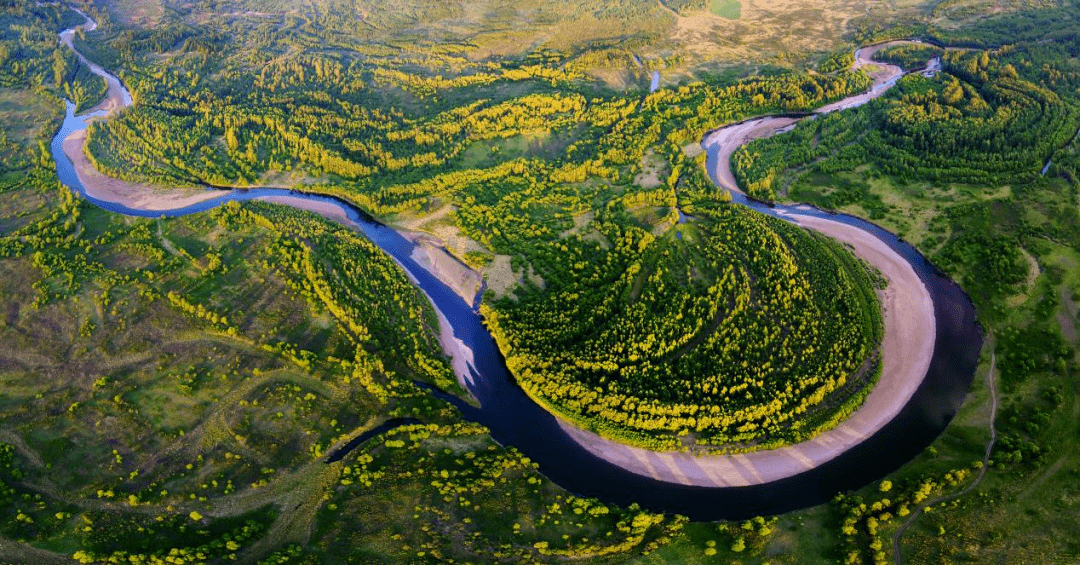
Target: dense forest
992, 117
735, 328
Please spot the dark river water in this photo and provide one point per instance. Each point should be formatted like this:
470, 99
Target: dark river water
515, 420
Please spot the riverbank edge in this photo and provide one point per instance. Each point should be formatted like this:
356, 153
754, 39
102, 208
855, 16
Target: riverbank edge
908, 346
430, 254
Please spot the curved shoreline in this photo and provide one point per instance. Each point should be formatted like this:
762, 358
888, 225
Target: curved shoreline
431, 255
907, 296
726, 140
128, 194
460, 355
908, 345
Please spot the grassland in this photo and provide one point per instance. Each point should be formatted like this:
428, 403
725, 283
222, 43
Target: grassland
136, 12
683, 38
730, 9
21, 111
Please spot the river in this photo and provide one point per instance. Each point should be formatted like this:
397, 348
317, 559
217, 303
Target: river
515, 420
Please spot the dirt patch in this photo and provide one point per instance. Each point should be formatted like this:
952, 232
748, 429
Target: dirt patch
597, 238
581, 223
692, 150
500, 276
653, 168
1033, 274
665, 225
533, 277
1067, 317
464, 281
440, 225
617, 79
137, 12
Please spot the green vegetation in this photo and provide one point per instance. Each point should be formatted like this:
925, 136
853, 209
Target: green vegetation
909, 57
390, 159
169, 389
742, 330
469, 499
729, 9
838, 61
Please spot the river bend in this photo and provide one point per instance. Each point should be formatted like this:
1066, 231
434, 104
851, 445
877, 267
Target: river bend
570, 457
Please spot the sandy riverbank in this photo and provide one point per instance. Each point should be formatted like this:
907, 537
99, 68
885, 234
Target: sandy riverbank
461, 356
133, 195
908, 346
117, 97
726, 140
434, 258
326, 209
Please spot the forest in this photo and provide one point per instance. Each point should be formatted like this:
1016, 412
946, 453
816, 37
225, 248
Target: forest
735, 328
979, 122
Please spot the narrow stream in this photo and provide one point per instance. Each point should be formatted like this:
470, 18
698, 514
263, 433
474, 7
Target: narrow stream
515, 420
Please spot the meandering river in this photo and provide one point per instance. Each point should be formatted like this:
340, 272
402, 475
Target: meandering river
515, 420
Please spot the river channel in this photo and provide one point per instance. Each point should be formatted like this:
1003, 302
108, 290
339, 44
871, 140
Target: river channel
515, 420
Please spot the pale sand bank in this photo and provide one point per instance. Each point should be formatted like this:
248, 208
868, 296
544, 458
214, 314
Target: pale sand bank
730, 138
433, 257
133, 195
